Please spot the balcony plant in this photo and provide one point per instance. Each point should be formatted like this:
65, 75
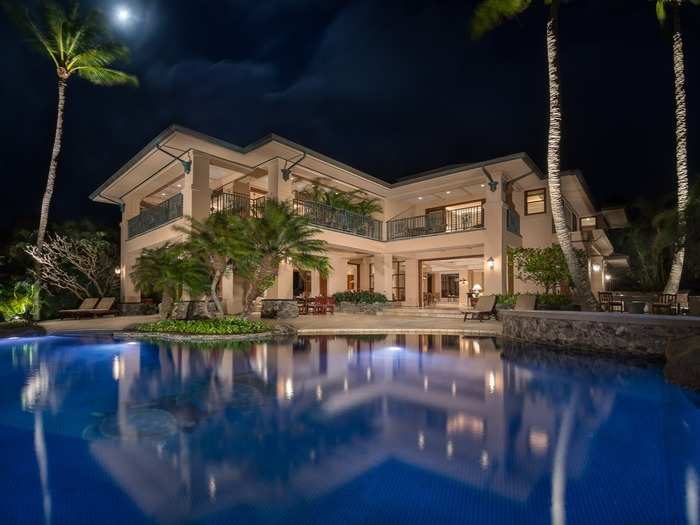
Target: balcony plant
353, 201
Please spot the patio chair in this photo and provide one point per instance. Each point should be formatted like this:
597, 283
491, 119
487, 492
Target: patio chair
104, 307
319, 305
665, 303
683, 302
330, 305
525, 302
609, 304
87, 304
485, 307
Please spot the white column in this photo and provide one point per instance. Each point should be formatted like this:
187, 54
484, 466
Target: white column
278, 188
411, 282
315, 284
494, 221
196, 193
338, 278
128, 292
284, 284
383, 271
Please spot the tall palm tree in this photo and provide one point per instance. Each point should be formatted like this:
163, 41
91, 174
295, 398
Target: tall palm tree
662, 8
488, 15
278, 235
77, 44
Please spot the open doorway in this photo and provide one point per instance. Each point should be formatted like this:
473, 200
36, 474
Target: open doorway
449, 282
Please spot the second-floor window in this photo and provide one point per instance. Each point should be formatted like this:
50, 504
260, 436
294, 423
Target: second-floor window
535, 202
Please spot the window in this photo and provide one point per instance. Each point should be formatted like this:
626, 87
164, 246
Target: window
371, 277
535, 202
399, 281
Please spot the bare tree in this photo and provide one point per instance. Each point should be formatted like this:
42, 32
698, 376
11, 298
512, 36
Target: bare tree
83, 267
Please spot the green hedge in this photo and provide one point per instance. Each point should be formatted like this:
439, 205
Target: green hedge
226, 326
359, 297
544, 300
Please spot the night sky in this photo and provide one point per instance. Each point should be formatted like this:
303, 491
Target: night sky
389, 87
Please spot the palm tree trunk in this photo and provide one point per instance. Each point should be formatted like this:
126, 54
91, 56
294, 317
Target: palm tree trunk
212, 292
674, 278
50, 181
578, 274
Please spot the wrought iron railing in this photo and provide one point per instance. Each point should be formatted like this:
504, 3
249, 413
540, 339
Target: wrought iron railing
512, 221
238, 203
442, 221
337, 219
152, 218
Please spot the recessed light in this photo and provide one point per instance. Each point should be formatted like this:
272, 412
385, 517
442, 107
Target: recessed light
420, 198
179, 185
448, 192
163, 194
483, 185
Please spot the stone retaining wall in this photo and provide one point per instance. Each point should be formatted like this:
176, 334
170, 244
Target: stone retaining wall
634, 335
360, 308
279, 309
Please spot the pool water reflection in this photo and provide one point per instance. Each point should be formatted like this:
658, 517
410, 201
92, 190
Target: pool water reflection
365, 429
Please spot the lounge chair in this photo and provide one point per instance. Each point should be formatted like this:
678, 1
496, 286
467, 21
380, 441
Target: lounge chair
103, 307
525, 302
88, 304
485, 306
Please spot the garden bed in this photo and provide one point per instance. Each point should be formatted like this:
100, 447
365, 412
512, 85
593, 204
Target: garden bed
20, 329
216, 327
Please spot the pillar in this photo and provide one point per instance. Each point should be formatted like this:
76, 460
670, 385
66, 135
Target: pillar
196, 201
278, 188
284, 284
128, 292
494, 247
337, 280
412, 289
383, 271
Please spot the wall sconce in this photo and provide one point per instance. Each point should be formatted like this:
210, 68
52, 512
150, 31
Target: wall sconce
463, 282
595, 267
490, 263
118, 270
608, 277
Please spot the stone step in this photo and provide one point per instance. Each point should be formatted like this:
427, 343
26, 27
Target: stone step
441, 313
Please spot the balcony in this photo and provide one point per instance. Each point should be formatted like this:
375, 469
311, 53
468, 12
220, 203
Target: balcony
155, 217
512, 221
238, 203
339, 220
443, 221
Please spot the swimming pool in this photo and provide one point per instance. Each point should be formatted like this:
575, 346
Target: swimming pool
402, 429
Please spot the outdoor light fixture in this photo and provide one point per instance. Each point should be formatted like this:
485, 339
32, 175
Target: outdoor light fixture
118, 270
287, 171
186, 164
490, 263
596, 267
608, 277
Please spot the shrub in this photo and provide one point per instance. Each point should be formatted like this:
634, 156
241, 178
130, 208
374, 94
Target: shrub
553, 300
16, 301
359, 297
507, 300
226, 326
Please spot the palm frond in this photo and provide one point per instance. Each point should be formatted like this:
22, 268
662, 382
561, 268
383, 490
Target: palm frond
489, 14
101, 56
661, 11
103, 76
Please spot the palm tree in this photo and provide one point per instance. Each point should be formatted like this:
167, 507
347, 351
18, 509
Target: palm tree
662, 6
168, 270
488, 15
279, 235
76, 44
218, 241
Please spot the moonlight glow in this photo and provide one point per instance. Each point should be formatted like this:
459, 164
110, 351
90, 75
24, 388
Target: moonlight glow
122, 14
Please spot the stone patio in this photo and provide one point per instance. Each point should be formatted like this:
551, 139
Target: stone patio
312, 324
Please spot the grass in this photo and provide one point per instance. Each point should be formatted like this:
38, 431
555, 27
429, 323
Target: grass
225, 326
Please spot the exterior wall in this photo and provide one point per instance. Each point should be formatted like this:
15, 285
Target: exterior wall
492, 241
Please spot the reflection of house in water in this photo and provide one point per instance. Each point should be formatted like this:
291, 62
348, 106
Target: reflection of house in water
280, 422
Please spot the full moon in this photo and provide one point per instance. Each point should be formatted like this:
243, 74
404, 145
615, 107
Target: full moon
122, 14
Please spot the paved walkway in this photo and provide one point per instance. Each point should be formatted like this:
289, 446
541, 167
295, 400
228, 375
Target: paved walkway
311, 324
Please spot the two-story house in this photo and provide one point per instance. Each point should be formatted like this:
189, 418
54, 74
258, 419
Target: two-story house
440, 235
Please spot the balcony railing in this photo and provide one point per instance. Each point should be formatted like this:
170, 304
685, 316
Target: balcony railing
443, 221
238, 203
337, 219
512, 221
152, 218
